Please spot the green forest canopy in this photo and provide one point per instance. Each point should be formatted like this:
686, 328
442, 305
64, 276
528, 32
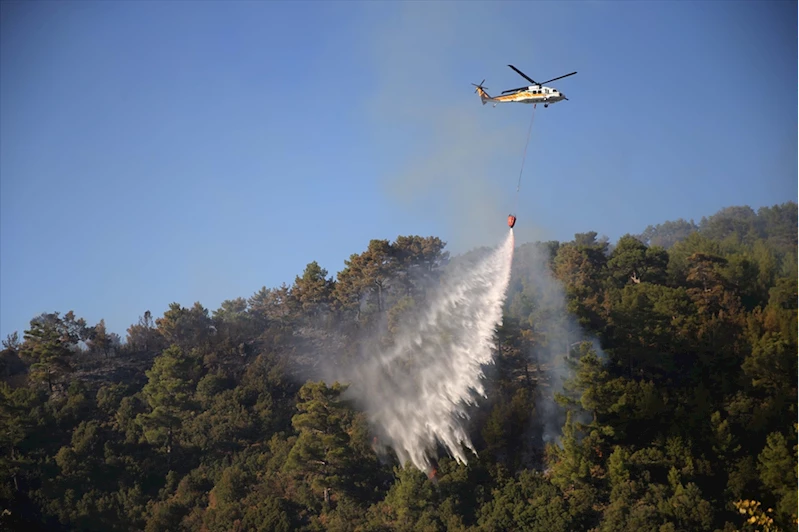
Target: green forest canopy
683, 419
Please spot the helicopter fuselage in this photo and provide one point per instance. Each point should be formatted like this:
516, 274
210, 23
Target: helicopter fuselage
533, 94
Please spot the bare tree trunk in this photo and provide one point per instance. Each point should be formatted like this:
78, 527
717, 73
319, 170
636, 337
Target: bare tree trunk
169, 449
527, 374
14, 476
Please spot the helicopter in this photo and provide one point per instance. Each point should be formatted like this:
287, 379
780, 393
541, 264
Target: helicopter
535, 93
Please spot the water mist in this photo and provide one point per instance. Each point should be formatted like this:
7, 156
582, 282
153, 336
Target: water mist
416, 392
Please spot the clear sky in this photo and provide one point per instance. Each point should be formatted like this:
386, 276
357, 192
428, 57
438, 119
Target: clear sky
197, 151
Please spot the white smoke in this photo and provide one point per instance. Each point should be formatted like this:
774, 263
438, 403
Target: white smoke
416, 393
559, 337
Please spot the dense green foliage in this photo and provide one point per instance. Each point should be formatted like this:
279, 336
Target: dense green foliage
681, 416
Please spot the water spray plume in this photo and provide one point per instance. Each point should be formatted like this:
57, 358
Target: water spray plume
417, 392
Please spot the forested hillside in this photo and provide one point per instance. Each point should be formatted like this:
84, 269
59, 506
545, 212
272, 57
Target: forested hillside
677, 412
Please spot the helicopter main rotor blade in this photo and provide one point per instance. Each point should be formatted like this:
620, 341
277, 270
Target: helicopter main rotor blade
525, 76
514, 90
560, 77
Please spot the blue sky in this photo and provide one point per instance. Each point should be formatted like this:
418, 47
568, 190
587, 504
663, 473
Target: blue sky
157, 152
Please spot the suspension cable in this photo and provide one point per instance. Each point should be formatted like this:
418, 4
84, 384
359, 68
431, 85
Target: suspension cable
524, 157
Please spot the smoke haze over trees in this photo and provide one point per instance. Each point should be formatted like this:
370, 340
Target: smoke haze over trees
647, 383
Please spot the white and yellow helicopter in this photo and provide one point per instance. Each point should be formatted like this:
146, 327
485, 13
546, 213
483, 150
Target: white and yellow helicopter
535, 93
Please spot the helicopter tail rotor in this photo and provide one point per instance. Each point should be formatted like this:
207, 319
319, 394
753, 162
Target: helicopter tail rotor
480, 86
484, 96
